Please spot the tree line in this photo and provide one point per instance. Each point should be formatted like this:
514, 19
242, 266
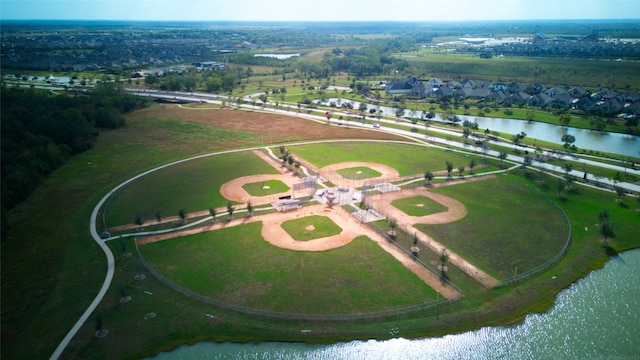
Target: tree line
41, 130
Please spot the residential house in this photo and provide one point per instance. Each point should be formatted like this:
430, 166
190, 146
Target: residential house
630, 96
554, 91
408, 86
607, 94
497, 96
483, 84
434, 83
441, 91
633, 108
500, 87
560, 101
518, 97
609, 106
540, 99
577, 92
585, 103
535, 88
454, 84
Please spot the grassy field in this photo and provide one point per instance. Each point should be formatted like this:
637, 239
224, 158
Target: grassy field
52, 270
358, 172
588, 73
418, 206
507, 226
406, 159
300, 230
265, 188
193, 185
215, 265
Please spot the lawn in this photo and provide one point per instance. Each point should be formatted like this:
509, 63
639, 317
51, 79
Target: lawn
405, 158
311, 227
418, 206
264, 188
507, 226
236, 265
358, 172
193, 185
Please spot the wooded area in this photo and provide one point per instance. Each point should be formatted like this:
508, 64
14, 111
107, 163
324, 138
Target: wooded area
41, 130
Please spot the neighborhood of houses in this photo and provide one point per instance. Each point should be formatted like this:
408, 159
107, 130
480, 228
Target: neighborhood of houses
606, 102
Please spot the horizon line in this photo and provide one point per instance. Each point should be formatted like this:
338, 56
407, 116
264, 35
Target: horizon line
326, 21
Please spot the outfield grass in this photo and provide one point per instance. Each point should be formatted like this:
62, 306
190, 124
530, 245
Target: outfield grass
300, 230
193, 185
358, 172
507, 226
418, 206
406, 159
273, 187
236, 265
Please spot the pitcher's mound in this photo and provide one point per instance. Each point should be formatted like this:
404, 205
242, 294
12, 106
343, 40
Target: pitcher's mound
310, 228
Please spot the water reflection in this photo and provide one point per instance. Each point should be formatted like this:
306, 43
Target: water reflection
622, 144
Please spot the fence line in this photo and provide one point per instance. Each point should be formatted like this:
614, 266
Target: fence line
294, 316
384, 234
554, 259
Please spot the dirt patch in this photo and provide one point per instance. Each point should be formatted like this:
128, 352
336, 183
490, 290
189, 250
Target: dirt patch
310, 228
270, 128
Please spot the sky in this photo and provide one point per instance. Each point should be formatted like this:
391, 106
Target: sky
318, 10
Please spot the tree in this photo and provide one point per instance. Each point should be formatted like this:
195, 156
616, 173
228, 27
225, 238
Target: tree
606, 228
517, 139
568, 167
619, 191
414, 248
158, 216
472, 164
567, 140
263, 97
139, 221
183, 215
460, 170
466, 132
230, 210
561, 185
399, 113
603, 216
444, 258
502, 156
598, 123
526, 162
362, 107
449, 167
565, 119
99, 324
212, 212
428, 176
530, 115
392, 224
249, 208
617, 177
